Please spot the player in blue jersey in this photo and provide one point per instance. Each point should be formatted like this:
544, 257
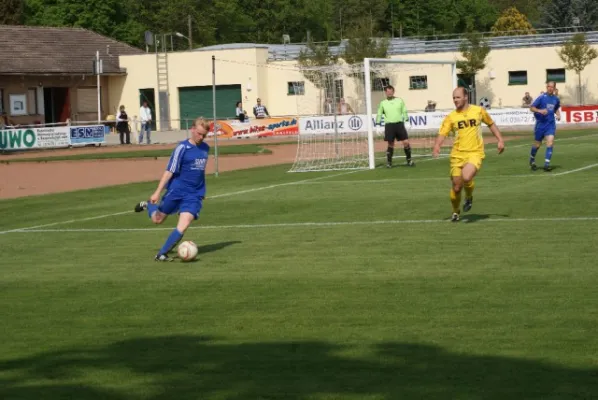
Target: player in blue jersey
185, 184
547, 110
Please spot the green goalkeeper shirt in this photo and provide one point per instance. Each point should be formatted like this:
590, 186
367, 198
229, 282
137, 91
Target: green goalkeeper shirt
394, 110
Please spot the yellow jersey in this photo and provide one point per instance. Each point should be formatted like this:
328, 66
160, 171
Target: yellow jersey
467, 127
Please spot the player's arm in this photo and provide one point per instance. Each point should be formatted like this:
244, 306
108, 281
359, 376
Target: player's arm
404, 112
443, 132
380, 112
557, 109
535, 107
166, 176
487, 119
174, 166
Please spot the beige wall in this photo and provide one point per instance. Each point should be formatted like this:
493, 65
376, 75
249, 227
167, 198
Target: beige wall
269, 80
191, 69
16, 84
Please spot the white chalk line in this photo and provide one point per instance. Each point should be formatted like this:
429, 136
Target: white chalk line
275, 186
315, 224
211, 197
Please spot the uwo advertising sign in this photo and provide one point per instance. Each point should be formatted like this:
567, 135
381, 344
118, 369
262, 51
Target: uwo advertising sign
32, 138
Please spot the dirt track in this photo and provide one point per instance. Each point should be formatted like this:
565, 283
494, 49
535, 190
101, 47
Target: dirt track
36, 178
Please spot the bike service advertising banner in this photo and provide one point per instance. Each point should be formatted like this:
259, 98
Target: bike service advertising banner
34, 138
83, 135
256, 128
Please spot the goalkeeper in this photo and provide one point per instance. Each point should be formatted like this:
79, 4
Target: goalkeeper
395, 116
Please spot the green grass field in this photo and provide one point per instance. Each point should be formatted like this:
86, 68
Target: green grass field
338, 285
244, 149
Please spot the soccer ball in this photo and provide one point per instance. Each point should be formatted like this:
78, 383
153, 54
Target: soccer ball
485, 102
187, 251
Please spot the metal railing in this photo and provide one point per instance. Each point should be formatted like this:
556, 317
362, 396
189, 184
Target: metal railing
447, 43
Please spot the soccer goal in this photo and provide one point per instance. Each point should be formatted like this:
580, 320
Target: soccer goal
337, 107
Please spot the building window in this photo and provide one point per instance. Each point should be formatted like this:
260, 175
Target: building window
32, 101
379, 84
517, 77
418, 82
296, 88
1, 100
556, 75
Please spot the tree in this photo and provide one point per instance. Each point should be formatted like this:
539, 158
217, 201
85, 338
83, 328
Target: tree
362, 44
511, 23
577, 54
12, 12
474, 49
562, 13
313, 61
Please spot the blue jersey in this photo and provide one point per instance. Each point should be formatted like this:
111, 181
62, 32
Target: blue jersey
188, 165
550, 104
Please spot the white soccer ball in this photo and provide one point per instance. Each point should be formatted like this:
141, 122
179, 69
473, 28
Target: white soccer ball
485, 102
187, 251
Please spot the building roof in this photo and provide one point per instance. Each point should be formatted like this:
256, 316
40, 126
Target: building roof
35, 50
233, 46
409, 45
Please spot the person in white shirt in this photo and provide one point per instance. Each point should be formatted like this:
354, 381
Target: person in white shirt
145, 115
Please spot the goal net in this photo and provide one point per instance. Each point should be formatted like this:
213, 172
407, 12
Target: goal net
337, 107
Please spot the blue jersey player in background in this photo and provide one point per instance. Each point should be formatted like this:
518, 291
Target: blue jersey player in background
185, 184
547, 110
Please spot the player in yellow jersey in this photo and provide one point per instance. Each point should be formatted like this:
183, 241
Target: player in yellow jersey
468, 147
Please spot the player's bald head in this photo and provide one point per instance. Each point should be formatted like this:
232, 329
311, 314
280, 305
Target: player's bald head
460, 91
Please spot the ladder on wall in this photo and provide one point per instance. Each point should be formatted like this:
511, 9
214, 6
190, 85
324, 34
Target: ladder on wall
163, 89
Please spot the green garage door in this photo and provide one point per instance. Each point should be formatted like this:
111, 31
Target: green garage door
196, 101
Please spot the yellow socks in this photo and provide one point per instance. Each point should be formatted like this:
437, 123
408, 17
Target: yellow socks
469, 189
455, 200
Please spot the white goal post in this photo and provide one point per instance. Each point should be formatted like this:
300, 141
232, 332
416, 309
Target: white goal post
337, 106
367, 66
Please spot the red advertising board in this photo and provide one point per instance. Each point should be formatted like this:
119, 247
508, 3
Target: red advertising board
580, 114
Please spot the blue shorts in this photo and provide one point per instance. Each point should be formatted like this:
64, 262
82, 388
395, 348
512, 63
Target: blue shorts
177, 202
541, 131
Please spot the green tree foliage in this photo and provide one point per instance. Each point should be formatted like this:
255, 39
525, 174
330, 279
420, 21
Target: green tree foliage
474, 51
562, 13
577, 54
12, 12
362, 43
312, 58
512, 22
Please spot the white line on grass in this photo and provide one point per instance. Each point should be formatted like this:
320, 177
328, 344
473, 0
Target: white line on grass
577, 170
314, 224
211, 197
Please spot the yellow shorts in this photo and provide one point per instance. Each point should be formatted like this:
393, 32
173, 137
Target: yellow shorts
460, 158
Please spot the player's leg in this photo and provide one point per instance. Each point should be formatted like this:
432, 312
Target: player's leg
469, 172
538, 137
456, 185
389, 137
548, 155
188, 212
403, 137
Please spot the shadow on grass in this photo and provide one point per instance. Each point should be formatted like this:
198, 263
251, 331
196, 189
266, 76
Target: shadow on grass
469, 218
195, 367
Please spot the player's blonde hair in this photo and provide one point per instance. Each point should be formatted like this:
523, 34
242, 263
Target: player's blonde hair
201, 121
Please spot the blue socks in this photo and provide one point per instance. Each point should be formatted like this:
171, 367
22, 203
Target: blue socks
172, 240
548, 156
151, 208
532, 156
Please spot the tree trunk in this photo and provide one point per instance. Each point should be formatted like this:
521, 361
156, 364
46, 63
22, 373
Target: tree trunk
579, 88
